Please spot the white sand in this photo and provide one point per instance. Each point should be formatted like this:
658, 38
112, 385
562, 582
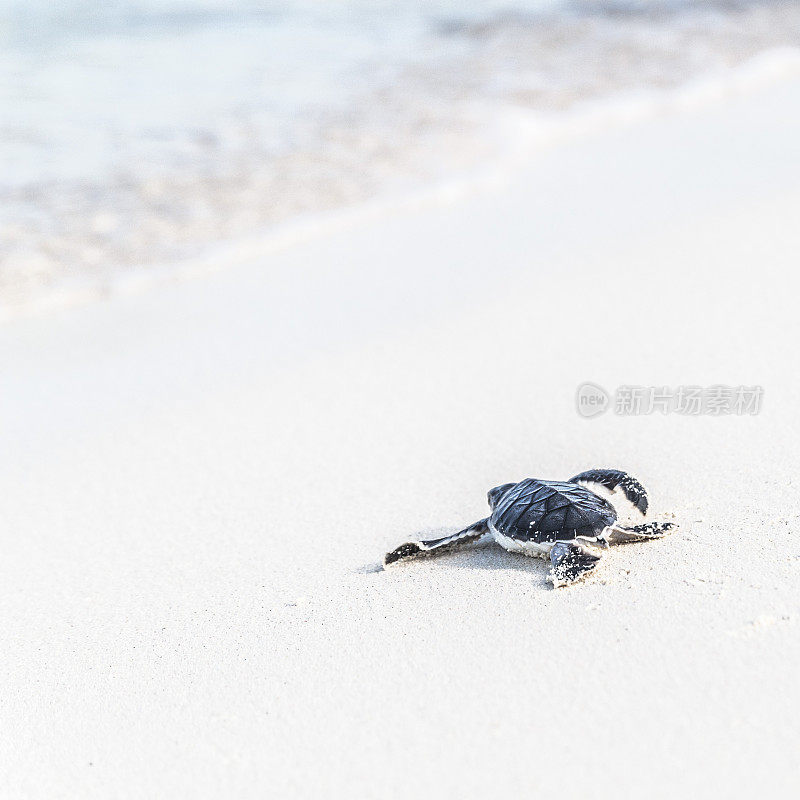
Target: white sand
198, 483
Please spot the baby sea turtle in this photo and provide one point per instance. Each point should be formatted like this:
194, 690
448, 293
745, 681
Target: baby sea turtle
566, 522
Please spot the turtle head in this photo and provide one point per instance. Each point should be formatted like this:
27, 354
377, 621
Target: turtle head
496, 493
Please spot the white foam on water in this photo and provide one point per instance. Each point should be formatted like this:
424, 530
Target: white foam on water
139, 136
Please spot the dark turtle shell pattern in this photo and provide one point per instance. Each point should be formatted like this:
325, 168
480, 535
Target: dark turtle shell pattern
547, 511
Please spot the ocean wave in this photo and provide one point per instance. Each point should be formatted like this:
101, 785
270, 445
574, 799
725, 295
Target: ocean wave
135, 143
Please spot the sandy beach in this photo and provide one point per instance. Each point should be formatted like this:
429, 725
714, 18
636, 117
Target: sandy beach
199, 482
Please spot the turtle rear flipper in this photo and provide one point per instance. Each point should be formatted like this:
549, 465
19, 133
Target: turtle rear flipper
623, 534
571, 561
430, 546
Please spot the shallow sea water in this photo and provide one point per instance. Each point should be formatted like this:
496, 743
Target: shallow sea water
139, 132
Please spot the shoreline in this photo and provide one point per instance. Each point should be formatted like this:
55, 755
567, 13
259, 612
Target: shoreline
534, 135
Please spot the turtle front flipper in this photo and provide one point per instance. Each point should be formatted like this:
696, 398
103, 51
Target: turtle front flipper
431, 546
571, 561
612, 479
